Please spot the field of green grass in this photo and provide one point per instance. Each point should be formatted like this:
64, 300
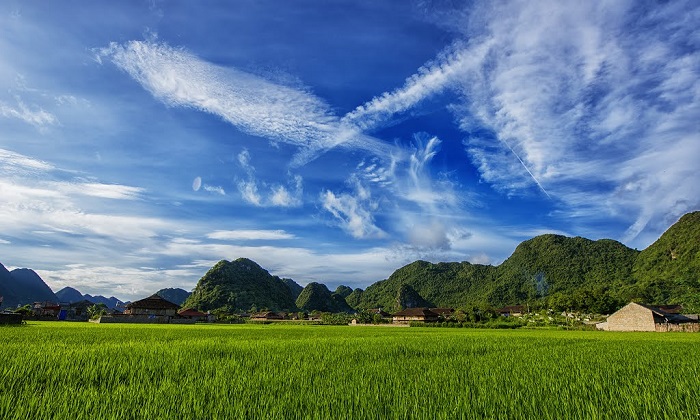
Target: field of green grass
91, 371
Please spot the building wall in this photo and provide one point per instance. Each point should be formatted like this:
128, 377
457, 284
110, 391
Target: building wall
413, 319
632, 317
688, 327
140, 311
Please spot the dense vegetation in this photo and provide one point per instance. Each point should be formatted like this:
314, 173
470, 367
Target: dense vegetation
240, 285
557, 272
88, 371
294, 288
317, 297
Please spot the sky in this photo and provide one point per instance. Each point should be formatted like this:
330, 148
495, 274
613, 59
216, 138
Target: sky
143, 141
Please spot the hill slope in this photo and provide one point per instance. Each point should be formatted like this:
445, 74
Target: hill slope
668, 271
6, 288
69, 294
25, 286
240, 285
442, 284
174, 295
558, 272
317, 297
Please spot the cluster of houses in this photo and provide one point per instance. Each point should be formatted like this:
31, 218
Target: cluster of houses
155, 309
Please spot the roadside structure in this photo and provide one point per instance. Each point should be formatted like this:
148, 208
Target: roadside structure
639, 317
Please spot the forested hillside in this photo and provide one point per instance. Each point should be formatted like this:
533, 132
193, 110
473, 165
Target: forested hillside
240, 285
559, 272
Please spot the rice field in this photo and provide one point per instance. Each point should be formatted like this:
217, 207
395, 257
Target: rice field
91, 371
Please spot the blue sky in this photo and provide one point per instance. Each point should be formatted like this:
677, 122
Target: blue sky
142, 141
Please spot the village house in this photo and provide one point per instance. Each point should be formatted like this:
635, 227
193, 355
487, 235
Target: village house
443, 313
153, 305
46, 309
415, 315
382, 313
267, 316
151, 310
191, 313
512, 310
638, 317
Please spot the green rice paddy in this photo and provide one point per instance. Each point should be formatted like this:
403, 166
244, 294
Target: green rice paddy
89, 371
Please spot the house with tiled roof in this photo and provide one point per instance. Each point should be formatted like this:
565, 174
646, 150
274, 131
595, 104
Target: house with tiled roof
267, 316
415, 315
153, 305
191, 313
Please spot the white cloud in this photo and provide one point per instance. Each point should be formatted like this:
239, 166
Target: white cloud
34, 115
5, 242
356, 269
14, 162
353, 212
214, 189
558, 96
250, 103
250, 235
277, 195
431, 79
95, 189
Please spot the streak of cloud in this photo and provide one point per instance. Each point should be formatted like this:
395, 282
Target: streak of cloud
250, 103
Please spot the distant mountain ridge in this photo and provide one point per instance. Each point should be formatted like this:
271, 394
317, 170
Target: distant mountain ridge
22, 286
549, 271
71, 295
174, 295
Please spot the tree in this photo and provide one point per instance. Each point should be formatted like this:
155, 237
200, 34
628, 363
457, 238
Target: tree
97, 310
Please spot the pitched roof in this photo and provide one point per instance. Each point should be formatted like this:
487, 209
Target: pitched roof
153, 302
443, 311
379, 311
417, 312
511, 309
671, 316
191, 312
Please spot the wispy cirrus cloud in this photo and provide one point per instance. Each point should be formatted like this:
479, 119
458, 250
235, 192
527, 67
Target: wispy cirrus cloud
34, 115
250, 235
559, 97
250, 103
276, 195
354, 211
36, 198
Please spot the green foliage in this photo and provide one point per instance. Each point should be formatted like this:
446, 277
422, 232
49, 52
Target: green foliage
354, 298
406, 297
25, 310
668, 271
317, 297
293, 286
240, 285
555, 271
343, 291
442, 284
97, 310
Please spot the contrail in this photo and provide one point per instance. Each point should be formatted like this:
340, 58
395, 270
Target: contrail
527, 169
